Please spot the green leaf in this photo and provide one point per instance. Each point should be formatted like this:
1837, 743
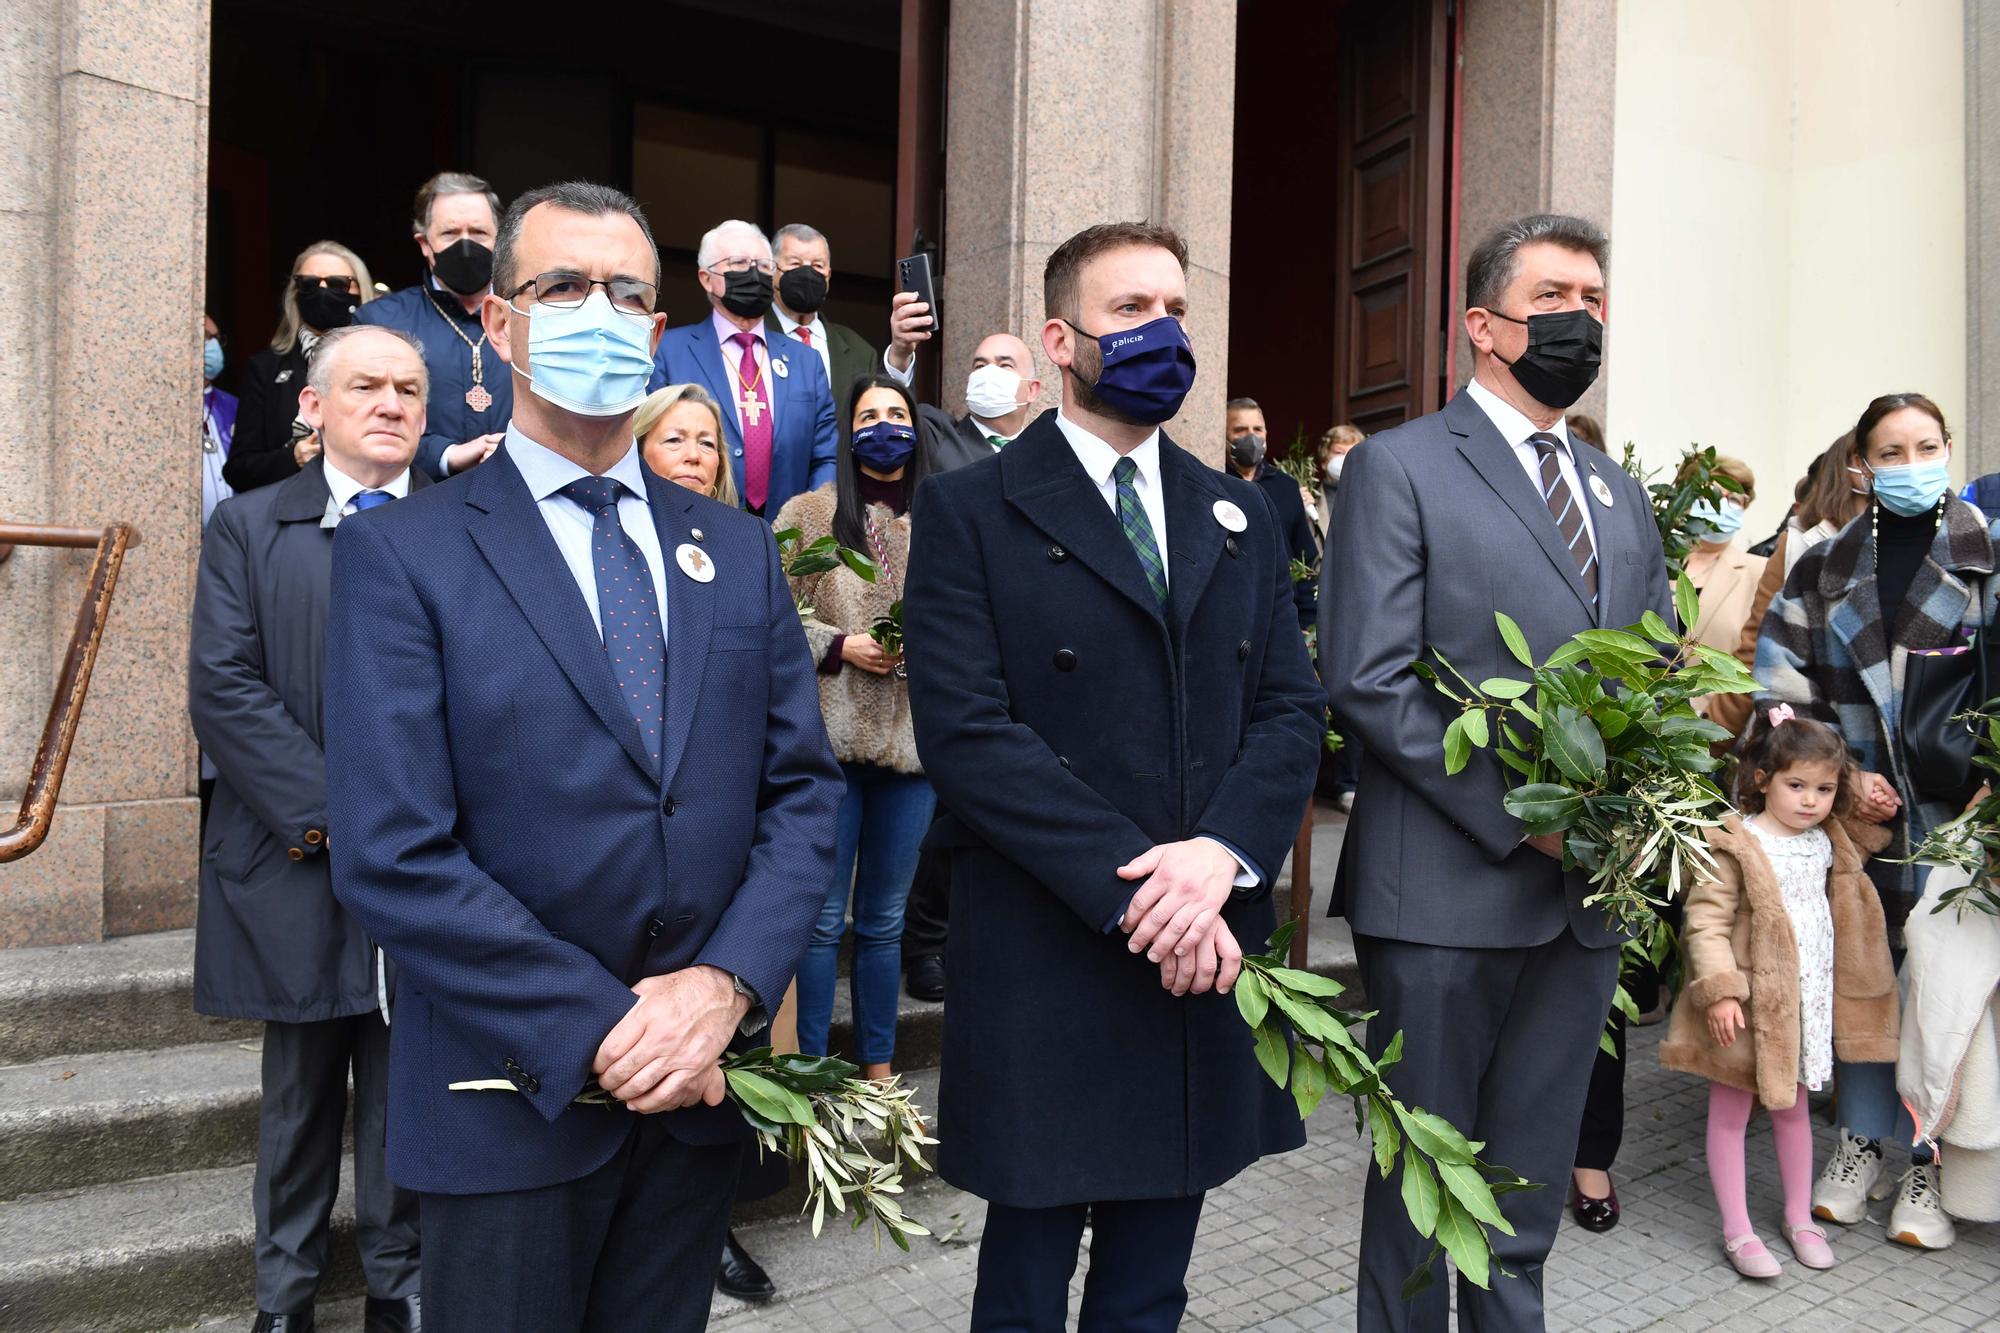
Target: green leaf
1424, 671
1517, 642
1273, 1053
1470, 1189
1280, 939
863, 567
1253, 999
1616, 641
1308, 1084
1306, 1017
1475, 729
1392, 1052
767, 1099
1605, 1044
1657, 629
1437, 1136
1687, 600
1310, 983
1573, 745
1383, 1136
1421, 1281
1457, 748
1464, 1242
1420, 1191
1504, 687
1545, 807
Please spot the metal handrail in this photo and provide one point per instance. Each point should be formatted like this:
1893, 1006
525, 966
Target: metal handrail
38, 801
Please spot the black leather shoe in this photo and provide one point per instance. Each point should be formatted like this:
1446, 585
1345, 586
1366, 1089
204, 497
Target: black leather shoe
299, 1322
926, 977
405, 1315
1593, 1214
741, 1276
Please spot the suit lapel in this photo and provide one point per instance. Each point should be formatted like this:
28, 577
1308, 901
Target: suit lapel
1483, 447
1605, 526
1193, 533
715, 376
1042, 478
303, 496
690, 617
509, 531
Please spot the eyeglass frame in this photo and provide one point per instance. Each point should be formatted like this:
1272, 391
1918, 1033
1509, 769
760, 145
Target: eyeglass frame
589, 282
768, 267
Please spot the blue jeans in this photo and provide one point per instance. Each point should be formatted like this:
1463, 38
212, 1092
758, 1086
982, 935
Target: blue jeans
1870, 1107
883, 819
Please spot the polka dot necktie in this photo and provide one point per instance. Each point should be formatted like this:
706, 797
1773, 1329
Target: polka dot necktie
628, 609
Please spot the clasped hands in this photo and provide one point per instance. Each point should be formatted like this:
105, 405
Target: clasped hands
1175, 918
665, 1053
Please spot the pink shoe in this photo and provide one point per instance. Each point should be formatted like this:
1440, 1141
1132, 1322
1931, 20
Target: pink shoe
1748, 1256
1809, 1245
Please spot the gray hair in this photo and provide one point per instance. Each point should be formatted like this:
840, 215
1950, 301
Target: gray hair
444, 183
1497, 261
711, 240
586, 197
1241, 405
803, 233
319, 364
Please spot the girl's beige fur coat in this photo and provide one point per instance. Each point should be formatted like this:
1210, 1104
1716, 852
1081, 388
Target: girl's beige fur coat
867, 716
1737, 943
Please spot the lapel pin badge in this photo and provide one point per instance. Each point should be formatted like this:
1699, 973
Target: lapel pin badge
781, 367
1229, 516
696, 534
283, 375
1601, 489
694, 562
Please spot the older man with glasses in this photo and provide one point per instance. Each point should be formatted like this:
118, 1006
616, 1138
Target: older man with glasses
777, 406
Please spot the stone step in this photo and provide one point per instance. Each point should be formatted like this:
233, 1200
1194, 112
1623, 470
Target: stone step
144, 1254
125, 994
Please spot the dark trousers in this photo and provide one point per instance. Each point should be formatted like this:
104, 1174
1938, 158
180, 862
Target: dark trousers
306, 1067
1498, 1042
631, 1246
1602, 1131
929, 907
1139, 1251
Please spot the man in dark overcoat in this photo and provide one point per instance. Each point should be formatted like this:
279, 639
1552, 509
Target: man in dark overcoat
271, 941
1112, 697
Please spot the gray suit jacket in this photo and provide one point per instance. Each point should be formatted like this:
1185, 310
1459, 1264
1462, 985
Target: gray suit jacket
1437, 526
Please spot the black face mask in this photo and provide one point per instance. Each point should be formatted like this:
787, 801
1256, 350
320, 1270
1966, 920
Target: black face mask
803, 289
747, 293
1565, 348
1247, 450
465, 266
325, 309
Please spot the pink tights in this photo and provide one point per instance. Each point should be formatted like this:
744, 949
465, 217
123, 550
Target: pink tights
1728, 1116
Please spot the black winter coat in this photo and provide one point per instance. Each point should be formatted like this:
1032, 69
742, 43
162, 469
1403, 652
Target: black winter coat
261, 452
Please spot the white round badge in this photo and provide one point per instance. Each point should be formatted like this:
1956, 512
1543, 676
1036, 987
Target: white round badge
782, 367
1601, 489
694, 562
1230, 517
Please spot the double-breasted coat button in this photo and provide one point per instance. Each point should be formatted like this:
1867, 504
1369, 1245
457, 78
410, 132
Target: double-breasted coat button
1243, 651
296, 853
668, 805
654, 927
1065, 660
1229, 545
313, 837
1058, 554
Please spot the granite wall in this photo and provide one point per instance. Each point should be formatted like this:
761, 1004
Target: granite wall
1982, 237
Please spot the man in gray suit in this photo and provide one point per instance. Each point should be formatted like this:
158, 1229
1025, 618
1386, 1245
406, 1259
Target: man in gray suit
1472, 940
271, 941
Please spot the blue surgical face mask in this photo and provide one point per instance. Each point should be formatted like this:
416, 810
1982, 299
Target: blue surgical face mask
885, 445
590, 359
1144, 374
211, 359
1720, 521
1911, 488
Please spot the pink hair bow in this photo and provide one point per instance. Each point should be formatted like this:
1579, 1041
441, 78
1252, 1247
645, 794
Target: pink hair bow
1781, 714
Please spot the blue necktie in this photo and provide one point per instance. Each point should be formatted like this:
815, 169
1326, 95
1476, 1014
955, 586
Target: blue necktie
369, 499
628, 609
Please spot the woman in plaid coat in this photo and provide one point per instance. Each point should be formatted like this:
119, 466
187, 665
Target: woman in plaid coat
1910, 573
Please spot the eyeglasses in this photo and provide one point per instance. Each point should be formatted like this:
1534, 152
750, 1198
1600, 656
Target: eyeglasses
740, 264
567, 291
333, 282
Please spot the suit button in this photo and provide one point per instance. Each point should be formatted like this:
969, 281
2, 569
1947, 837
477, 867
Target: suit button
668, 805
313, 837
654, 927
1060, 759
1243, 651
1229, 545
1057, 554
530, 1084
1065, 660
296, 853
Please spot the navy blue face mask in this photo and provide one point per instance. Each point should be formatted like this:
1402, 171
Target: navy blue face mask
885, 445
1143, 374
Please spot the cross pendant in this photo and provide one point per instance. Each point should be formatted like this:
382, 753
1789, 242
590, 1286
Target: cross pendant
753, 408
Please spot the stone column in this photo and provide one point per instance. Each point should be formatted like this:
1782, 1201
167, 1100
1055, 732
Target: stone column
1537, 116
1064, 113
103, 174
1982, 237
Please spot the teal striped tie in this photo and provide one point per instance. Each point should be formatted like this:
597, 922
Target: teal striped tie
1139, 528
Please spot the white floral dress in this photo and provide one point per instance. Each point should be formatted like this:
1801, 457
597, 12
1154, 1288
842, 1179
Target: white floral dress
1802, 864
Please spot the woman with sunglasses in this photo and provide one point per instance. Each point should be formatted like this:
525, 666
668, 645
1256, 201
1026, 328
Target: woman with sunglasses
327, 284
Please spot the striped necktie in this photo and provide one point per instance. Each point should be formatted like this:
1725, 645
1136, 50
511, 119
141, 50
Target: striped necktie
1139, 528
1566, 510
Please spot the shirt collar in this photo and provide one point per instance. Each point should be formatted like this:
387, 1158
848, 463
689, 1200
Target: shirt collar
985, 427
547, 471
1098, 458
1508, 420
724, 330
792, 326
345, 488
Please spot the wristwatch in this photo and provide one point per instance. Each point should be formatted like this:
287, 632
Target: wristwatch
755, 1019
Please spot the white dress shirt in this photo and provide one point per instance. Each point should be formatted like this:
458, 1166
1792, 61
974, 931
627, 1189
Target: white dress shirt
1516, 428
991, 431
345, 488
570, 523
813, 326
1098, 458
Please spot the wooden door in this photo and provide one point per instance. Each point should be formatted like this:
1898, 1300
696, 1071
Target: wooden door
1389, 283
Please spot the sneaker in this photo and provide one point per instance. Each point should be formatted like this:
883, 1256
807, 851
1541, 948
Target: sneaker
1919, 1217
1344, 803
1854, 1175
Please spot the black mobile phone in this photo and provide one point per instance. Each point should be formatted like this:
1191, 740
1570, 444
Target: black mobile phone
914, 275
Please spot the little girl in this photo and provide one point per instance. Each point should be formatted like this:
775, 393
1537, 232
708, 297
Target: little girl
1787, 959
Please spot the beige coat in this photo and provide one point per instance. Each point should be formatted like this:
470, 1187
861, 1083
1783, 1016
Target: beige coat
1737, 944
867, 716
1726, 599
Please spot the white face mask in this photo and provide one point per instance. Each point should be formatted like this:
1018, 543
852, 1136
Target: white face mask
992, 392
1333, 466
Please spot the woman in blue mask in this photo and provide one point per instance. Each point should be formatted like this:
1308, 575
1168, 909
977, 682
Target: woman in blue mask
887, 809
1910, 575
1725, 574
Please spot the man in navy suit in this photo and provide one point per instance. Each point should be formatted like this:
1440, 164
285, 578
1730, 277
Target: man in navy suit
776, 407
543, 675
